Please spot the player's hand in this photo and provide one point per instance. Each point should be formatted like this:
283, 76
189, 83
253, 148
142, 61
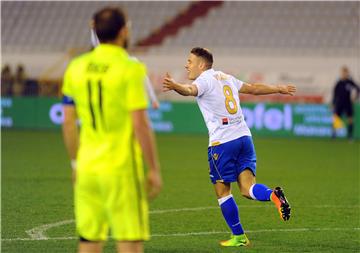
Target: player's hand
154, 183
155, 105
168, 83
287, 89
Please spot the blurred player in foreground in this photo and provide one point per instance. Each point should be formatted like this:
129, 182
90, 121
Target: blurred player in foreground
343, 101
105, 89
231, 152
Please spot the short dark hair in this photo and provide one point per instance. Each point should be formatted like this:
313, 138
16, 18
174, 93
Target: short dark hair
205, 54
108, 22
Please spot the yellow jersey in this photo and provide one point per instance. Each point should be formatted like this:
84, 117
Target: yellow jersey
106, 85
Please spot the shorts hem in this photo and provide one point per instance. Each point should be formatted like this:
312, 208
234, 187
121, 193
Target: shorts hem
252, 169
120, 239
223, 181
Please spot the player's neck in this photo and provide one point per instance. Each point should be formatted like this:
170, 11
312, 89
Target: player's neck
119, 42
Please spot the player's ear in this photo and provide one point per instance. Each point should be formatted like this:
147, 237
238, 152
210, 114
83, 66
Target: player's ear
124, 32
202, 65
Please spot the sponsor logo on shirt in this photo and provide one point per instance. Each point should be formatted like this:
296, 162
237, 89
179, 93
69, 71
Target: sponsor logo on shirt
231, 121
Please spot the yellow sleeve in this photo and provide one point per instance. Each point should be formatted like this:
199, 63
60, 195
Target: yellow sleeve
136, 97
66, 87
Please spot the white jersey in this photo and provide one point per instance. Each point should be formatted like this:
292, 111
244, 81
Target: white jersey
219, 103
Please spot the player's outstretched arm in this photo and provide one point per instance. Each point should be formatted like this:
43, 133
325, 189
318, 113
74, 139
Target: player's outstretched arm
146, 139
265, 89
182, 89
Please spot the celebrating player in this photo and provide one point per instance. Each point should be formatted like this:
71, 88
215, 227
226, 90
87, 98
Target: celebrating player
105, 89
231, 152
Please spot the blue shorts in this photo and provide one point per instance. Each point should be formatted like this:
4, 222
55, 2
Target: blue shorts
228, 160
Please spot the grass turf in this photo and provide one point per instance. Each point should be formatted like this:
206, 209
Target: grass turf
320, 178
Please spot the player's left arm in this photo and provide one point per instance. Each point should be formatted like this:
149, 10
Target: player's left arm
265, 89
183, 89
356, 86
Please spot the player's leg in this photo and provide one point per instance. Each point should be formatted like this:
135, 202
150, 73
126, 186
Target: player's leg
337, 122
246, 170
128, 207
228, 207
221, 175
230, 212
350, 126
250, 189
247, 181
89, 214
261, 192
89, 247
130, 247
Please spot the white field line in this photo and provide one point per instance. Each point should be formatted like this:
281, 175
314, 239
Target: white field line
39, 233
200, 233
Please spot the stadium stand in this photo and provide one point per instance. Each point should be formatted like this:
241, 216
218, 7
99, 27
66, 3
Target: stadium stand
297, 42
62, 25
331, 27
194, 11
295, 27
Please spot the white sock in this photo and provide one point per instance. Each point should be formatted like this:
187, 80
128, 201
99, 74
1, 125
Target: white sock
223, 199
251, 192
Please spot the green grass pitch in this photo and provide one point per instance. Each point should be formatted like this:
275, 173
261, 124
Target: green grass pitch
320, 178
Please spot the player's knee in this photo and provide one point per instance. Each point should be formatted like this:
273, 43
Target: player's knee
245, 192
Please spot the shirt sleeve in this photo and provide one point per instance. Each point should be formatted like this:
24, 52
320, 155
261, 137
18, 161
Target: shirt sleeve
136, 96
67, 83
202, 86
238, 83
354, 85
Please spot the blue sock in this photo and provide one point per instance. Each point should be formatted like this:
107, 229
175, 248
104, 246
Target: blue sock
230, 212
260, 192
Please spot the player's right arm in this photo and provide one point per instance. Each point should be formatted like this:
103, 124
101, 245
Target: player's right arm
182, 89
146, 139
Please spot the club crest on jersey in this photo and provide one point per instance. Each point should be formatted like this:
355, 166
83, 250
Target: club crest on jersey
215, 156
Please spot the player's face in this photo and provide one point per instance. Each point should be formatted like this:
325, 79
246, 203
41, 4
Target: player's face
193, 67
344, 73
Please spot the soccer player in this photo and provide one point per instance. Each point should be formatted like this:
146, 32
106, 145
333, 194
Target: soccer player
105, 89
343, 101
231, 152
